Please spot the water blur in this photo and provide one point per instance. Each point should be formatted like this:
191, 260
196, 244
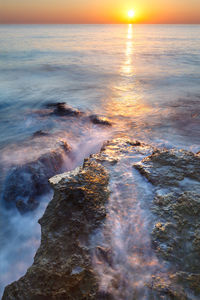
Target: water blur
144, 78
124, 259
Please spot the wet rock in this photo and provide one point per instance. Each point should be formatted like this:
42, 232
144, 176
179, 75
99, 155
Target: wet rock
100, 120
189, 280
65, 146
176, 232
54, 104
170, 167
61, 109
26, 182
177, 235
62, 267
40, 133
135, 143
164, 288
104, 296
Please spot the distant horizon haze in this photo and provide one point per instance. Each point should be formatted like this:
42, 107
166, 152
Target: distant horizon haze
99, 12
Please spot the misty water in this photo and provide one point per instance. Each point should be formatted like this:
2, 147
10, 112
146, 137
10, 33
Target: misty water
144, 79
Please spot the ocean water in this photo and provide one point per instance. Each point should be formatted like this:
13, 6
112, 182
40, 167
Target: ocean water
145, 79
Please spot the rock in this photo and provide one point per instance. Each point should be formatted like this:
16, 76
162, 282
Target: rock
61, 109
104, 296
62, 267
65, 146
40, 133
164, 288
25, 182
177, 236
174, 165
54, 104
99, 120
176, 232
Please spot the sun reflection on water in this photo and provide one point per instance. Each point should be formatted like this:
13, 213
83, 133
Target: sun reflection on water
127, 68
126, 104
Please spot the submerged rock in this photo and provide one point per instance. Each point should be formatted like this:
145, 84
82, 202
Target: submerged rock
40, 133
54, 104
62, 109
95, 119
26, 182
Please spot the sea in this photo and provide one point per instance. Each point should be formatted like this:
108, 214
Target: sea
143, 79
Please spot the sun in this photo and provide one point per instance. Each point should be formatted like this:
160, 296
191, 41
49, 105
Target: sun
131, 13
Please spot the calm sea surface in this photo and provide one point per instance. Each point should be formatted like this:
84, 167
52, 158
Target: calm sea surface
144, 78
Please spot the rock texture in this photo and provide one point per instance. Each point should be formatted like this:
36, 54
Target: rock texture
63, 267
176, 233
170, 167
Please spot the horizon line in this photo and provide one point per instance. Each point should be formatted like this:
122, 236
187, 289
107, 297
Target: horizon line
56, 23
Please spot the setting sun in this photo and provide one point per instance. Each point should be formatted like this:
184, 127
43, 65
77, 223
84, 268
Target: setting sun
131, 13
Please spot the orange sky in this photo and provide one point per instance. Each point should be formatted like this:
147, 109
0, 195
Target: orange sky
99, 11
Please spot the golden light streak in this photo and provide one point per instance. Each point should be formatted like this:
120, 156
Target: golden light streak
127, 67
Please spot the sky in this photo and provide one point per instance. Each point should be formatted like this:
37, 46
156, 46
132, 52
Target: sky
99, 11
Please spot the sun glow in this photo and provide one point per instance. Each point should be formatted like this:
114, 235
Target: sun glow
131, 13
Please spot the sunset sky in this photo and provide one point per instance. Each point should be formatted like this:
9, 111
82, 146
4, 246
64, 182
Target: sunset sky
99, 11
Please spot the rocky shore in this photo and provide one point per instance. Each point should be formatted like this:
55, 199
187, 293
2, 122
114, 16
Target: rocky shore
24, 181
63, 267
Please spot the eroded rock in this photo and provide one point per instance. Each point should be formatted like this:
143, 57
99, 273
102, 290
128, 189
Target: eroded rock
62, 266
170, 167
176, 233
